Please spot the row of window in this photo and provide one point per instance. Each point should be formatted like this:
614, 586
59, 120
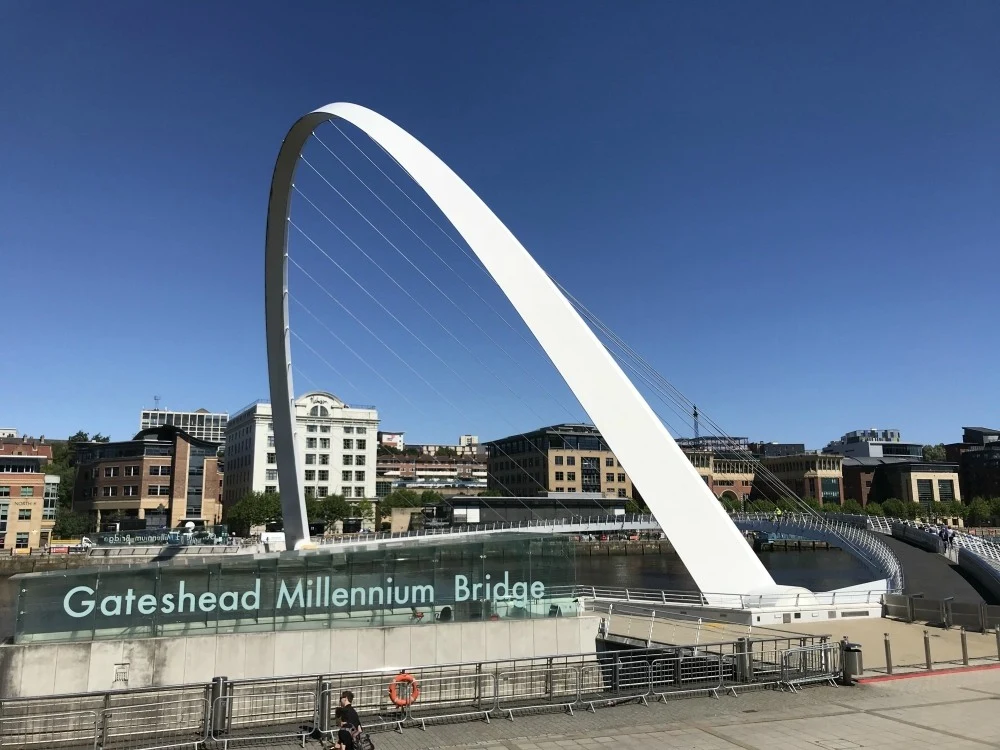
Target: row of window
25, 491
348, 429
622, 493
131, 490
324, 491
20, 540
18, 469
130, 471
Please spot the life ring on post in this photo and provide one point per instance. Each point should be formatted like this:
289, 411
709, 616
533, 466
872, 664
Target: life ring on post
414, 691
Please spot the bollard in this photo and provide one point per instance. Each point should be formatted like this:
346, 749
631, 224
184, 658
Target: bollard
998, 642
888, 655
965, 647
325, 699
927, 650
219, 705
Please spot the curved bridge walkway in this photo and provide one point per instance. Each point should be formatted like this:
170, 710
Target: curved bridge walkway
932, 574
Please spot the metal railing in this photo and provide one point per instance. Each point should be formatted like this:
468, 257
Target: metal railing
232, 712
874, 553
719, 599
945, 612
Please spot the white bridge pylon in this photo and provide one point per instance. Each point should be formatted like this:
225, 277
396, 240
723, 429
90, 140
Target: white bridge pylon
711, 547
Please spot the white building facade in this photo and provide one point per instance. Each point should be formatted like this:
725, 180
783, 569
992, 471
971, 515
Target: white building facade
201, 424
337, 446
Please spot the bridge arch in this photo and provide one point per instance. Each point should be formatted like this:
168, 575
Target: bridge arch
710, 545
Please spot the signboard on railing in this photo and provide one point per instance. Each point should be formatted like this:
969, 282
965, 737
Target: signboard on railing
394, 586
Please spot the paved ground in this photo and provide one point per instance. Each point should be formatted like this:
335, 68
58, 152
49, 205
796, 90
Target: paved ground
931, 574
954, 711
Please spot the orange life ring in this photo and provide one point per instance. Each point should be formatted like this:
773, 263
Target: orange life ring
394, 690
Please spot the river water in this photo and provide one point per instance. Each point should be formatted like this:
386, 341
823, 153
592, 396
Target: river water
818, 570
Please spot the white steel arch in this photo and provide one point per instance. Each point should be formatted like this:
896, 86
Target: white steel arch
711, 547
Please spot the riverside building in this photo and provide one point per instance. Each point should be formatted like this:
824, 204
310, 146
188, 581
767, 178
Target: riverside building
201, 424
28, 496
337, 444
162, 476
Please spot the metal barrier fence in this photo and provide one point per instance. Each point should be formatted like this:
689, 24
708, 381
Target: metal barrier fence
809, 664
946, 612
231, 712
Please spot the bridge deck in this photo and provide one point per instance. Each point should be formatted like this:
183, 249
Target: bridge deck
931, 574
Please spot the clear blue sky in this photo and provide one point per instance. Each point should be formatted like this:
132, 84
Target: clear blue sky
792, 209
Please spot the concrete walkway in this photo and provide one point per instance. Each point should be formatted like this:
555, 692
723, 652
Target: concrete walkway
931, 574
956, 711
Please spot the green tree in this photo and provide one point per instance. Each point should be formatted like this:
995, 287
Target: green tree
253, 509
980, 513
364, 510
396, 499
446, 452
895, 508
330, 509
874, 509
934, 452
493, 493
430, 497
71, 525
852, 506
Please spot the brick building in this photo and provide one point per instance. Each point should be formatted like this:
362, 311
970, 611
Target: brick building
811, 476
28, 496
162, 476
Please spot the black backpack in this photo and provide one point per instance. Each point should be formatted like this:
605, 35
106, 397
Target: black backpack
362, 740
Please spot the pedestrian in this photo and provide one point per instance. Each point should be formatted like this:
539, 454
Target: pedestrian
348, 710
345, 737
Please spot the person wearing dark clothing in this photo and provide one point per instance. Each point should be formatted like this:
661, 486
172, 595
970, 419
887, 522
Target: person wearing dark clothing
345, 735
348, 711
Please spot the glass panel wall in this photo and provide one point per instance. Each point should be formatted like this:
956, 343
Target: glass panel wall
414, 584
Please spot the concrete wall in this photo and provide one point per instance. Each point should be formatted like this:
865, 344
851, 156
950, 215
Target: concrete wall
58, 668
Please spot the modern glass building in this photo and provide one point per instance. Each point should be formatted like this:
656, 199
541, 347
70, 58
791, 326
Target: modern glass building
519, 577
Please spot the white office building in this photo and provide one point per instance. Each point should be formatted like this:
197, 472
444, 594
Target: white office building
337, 446
201, 424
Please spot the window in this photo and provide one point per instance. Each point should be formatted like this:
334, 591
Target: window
5, 490
271, 475
925, 490
560, 489
322, 491
621, 492
324, 476
27, 492
559, 476
359, 460
21, 541
559, 460
310, 475
359, 492
311, 443
571, 489
324, 428
609, 462
946, 490
270, 426
110, 492
348, 430
319, 411
131, 490
3, 520
362, 444
310, 459
348, 459
24, 514
348, 444
345, 476
359, 476
270, 441
571, 460
609, 477
310, 491
131, 471
361, 430
310, 428
324, 459
571, 476
110, 471
324, 443
272, 458
159, 471
621, 476
270, 488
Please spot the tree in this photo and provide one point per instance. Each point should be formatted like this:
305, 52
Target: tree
874, 509
364, 510
71, 525
396, 499
896, 508
430, 497
934, 452
253, 509
445, 452
980, 513
853, 507
330, 509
